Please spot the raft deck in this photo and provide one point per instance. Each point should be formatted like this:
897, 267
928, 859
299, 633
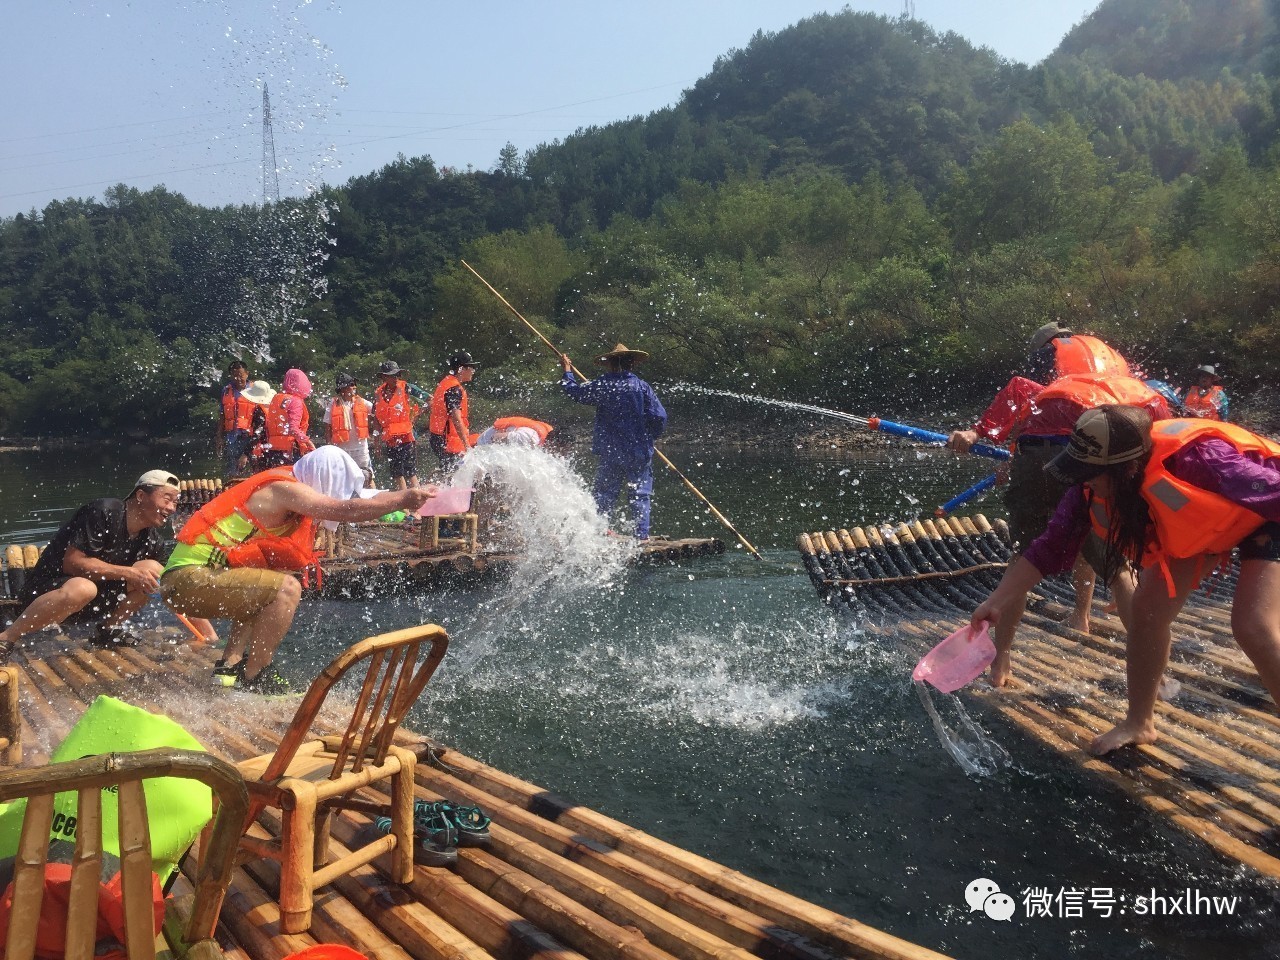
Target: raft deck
1215, 772
558, 882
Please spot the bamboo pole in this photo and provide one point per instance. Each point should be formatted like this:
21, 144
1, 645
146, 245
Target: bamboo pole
662, 456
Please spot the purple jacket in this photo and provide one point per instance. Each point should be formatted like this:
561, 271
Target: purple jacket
1246, 479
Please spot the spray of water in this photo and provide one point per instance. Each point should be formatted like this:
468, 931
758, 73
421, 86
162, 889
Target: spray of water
976, 753
549, 520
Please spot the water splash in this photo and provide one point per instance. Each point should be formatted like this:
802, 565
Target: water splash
976, 753
768, 402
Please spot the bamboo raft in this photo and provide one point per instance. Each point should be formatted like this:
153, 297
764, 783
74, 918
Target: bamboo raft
1215, 772
558, 882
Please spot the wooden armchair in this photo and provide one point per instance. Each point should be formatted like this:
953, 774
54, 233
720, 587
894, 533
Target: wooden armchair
10, 718
126, 772
308, 781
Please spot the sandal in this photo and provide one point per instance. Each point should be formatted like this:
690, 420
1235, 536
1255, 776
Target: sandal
469, 824
429, 849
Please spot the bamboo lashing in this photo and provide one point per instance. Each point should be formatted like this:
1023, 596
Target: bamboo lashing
662, 456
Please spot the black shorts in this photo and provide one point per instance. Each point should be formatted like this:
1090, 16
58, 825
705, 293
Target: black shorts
402, 461
1262, 544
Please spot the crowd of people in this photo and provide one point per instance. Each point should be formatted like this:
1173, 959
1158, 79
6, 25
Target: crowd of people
236, 557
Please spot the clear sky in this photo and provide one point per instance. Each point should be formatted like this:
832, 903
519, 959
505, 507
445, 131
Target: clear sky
169, 92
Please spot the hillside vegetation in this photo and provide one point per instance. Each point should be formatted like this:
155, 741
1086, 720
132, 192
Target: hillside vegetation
854, 211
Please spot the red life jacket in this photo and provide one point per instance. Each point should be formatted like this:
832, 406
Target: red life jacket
1207, 405
441, 424
395, 414
1081, 393
1080, 354
237, 412
280, 435
293, 550
508, 423
339, 432
1189, 520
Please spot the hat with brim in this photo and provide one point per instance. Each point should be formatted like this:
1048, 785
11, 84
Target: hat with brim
1102, 438
1209, 369
1047, 333
621, 352
258, 392
389, 368
344, 380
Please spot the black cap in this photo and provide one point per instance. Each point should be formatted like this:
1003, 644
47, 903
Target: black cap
389, 368
345, 380
1102, 437
461, 359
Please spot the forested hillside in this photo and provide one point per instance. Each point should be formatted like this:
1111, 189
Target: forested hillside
855, 211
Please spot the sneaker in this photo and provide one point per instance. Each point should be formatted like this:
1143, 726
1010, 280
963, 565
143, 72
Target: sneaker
267, 682
114, 637
225, 676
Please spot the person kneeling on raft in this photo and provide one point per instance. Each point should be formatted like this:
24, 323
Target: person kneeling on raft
232, 555
102, 564
1174, 497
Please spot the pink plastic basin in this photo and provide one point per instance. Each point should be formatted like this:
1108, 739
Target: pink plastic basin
449, 500
957, 660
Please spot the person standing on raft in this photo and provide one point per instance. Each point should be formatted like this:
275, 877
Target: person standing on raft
233, 437
450, 422
629, 419
1176, 496
102, 563
347, 418
235, 555
395, 411
288, 421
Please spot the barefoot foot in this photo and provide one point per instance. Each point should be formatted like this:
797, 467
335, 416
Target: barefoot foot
1123, 734
1000, 671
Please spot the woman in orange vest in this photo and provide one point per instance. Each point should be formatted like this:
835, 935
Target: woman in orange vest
450, 425
1206, 399
1181, 494
395, 411
348, 420
288, 420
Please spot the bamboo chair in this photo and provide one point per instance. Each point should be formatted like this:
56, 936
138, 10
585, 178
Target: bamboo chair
10, 718
308, 781
191, 937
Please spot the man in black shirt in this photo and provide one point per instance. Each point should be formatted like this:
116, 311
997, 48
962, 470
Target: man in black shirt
102, 564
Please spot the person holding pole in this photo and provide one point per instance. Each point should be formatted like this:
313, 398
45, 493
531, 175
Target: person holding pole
629, 419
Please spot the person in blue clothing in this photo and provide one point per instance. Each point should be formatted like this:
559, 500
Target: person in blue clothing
629, 418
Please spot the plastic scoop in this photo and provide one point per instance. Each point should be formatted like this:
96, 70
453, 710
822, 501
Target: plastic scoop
957, 660
448, 500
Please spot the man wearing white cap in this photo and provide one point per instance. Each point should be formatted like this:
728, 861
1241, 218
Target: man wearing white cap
102, 564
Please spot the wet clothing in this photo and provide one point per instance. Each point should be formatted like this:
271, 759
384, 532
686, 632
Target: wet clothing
1211, 404
98, 530
629, 419
1248, 480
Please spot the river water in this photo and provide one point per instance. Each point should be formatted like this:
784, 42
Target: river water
720, 706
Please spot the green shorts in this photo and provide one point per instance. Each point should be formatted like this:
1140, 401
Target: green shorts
220, 593
1032, 497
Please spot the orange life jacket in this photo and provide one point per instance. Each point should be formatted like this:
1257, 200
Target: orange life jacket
395, 415
441, 424
293, 550
55, 905
1207, 405
339, 432
1084, 355
1088, 392
237, 412
509, 423
1189, 520
280, 434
